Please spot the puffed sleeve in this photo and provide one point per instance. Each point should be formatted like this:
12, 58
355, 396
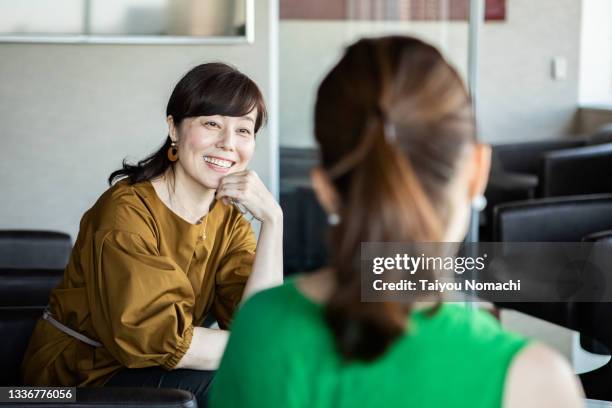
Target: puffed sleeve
234, 271
141, 302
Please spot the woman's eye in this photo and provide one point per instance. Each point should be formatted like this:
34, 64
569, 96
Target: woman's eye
213, 124
244, 131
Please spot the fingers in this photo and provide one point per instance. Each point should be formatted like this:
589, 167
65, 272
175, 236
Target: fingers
246, 176
234, 192
236, 184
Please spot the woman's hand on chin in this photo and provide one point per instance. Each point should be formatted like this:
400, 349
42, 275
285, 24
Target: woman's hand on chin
246, 188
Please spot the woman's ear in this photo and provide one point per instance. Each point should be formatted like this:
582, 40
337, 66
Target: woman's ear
171, 128
481, 167
324, 190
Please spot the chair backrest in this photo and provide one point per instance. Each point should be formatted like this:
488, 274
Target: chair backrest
595, 337
582, 170
524, 157
560, 219
34, 249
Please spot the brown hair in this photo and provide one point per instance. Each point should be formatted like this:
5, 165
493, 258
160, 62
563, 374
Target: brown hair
208, 89
392, 119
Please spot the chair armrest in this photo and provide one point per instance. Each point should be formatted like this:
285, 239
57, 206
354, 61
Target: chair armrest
513, 181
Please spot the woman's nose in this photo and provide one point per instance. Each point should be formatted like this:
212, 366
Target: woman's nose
226, 140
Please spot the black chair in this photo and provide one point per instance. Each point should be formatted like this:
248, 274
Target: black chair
555, 219
524, 157
305, 223
30, 249
596, 335
515, 173
562, 219
305, 231
590, 344
582, 170
24, 292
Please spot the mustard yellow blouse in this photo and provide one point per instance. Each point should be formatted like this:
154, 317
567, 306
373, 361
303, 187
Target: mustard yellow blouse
138, 280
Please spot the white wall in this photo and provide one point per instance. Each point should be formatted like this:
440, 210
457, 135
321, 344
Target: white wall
308, 49
518, 98
71, 113
596, 53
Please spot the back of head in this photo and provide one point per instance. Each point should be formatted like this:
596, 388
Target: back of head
392, 120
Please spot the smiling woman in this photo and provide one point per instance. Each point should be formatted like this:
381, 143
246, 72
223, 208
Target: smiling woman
163, 248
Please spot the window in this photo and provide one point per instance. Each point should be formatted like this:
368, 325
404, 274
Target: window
125, 20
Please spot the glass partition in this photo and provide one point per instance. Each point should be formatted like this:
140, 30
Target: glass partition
128, 21
313, 34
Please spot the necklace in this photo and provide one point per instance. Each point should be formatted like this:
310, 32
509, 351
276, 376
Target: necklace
202, 236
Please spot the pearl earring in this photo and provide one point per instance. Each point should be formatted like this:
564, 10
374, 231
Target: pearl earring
479, 203
333, 219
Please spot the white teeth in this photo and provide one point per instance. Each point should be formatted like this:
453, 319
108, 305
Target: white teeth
218, 162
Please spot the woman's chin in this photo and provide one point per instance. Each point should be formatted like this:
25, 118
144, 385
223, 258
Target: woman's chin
210, 183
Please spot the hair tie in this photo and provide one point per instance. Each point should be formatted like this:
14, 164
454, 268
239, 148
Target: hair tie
390, 132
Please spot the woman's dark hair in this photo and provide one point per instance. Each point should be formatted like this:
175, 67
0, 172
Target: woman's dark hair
392, 120
208, 89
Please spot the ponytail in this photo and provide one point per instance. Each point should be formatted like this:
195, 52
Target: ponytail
392, 180
396, 210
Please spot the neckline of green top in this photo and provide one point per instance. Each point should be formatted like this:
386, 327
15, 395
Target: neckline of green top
291, 283
163, 205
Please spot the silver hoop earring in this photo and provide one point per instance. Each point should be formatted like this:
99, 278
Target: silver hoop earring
333, 219
479, 203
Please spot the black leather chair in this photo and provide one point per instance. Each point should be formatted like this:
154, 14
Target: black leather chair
555, 219
34, 249
590, 344
595, 336
524, 157
24, 292
515, 173
582, 170
562, 219
305, 223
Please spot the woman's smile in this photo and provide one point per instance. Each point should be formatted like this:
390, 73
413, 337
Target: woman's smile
219, 164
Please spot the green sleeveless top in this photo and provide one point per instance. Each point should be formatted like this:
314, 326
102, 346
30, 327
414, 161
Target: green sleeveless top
282, 354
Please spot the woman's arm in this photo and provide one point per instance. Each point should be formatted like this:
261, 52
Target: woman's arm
207, 345
206, 349
247, 188
539, 377
268, 263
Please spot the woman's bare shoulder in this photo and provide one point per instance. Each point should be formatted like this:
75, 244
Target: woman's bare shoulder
540, 377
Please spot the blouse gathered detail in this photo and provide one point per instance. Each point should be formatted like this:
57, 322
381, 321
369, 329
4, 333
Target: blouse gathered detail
139, 279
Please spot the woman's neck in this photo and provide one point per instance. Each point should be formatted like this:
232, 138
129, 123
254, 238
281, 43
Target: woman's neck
186, 196
319, 286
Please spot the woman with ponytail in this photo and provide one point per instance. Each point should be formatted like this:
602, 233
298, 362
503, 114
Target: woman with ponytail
165, 247
399, 163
